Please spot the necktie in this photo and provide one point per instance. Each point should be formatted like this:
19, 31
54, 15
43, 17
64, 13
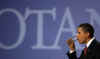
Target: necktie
85, 51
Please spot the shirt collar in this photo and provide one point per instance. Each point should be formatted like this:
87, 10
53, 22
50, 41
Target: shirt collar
90, 41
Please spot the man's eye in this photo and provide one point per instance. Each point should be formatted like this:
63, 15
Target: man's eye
78, 32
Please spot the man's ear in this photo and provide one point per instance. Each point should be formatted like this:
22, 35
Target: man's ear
88, 34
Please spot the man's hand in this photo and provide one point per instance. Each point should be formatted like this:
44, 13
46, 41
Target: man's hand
71, 44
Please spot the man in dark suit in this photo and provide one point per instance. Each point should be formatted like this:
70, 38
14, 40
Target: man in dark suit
85, 35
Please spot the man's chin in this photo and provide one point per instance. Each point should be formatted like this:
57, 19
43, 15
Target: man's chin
80, 42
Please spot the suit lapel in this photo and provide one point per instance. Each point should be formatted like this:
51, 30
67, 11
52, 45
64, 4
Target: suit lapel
92, 45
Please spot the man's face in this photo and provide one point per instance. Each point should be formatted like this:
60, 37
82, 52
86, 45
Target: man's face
81, 36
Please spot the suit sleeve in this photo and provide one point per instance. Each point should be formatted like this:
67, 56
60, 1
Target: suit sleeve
72, 55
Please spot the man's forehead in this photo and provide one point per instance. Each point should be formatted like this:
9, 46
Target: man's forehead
79, 29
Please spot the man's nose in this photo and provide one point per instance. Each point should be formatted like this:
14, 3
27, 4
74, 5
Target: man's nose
77, 35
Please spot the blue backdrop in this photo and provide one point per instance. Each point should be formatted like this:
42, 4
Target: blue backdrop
38, 29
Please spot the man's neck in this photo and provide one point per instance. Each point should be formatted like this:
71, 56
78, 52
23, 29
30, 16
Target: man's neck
89, 41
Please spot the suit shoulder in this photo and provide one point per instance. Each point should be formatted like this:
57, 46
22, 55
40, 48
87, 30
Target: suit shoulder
97, 46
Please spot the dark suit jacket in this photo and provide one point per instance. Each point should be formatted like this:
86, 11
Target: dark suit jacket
93, 52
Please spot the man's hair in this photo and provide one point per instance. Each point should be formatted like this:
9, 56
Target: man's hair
87, 28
